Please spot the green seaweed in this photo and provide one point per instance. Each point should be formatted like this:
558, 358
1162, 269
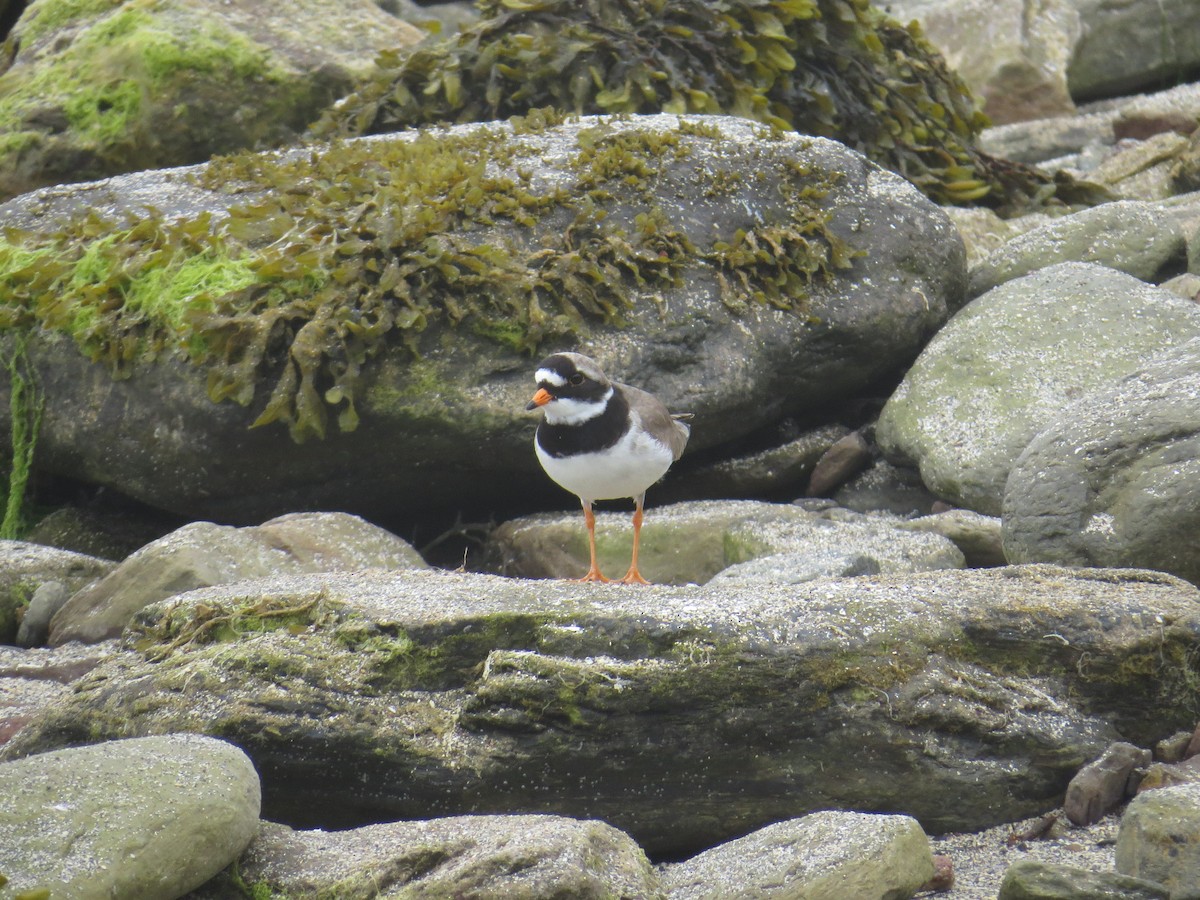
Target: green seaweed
327, 258
26, 403
835, 68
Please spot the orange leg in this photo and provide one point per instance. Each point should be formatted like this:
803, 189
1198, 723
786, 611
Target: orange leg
593, 573
633, 576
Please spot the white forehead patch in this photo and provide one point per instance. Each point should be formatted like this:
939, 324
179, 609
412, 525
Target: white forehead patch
549, 376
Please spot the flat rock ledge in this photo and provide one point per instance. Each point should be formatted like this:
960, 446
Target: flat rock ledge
961, 698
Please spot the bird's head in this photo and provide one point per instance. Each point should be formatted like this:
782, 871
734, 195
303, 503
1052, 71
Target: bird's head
571, 388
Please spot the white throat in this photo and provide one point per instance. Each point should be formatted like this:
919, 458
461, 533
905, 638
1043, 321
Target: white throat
565, 411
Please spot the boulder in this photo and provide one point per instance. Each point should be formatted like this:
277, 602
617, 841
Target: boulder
827, 855
24, 568
519, 857
691, 542
405, 399
980, 538
1029, 879
1012, 362
203, 554
1104, 783
1126, 47
1112, 480
961, 698
1159, 839
95, 90
149, 817
1132, 237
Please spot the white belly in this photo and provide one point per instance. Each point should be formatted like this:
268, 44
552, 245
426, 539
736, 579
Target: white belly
624, 470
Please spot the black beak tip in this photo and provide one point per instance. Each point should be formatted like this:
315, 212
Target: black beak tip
530, 406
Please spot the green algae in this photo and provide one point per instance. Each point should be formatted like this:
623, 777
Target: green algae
119, 56
26, 403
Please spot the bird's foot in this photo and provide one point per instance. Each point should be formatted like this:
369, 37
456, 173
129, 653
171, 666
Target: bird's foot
633, 576
593, 574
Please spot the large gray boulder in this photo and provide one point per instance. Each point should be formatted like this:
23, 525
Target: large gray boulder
518, 857
203, 554
1012, 362
94, 90
150, 817
961, 698
437, 418
1130, 46
1112, 482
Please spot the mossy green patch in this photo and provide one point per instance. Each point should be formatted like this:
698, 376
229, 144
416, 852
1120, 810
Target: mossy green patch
431, 661
178, 626
119, 57
43, 17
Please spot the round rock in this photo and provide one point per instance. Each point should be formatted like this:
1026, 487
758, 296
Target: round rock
147, 817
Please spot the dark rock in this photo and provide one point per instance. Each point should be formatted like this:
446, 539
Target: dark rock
886, 488
775, 472
843, 460
1102, 784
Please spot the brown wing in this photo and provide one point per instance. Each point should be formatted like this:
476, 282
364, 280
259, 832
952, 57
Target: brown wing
657, 419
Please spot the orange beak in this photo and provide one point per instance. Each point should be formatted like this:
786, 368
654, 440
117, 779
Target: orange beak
541, 398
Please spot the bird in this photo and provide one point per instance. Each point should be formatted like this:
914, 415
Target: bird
602, 440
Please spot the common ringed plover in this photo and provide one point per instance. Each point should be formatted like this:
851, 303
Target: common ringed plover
602, 440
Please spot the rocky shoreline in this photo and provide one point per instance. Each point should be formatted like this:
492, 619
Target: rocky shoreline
925, 620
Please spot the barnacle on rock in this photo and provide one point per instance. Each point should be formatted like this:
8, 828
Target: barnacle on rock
835, 68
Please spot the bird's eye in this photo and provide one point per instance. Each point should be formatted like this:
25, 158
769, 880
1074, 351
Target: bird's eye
577, 378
